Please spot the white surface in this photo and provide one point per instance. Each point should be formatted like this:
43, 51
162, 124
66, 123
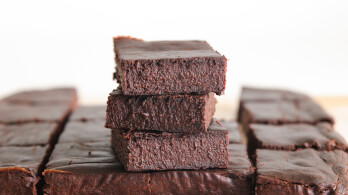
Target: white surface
300, 45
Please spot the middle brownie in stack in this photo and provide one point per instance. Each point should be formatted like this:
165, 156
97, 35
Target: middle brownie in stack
161, 116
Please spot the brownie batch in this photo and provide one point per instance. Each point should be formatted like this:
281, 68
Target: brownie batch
161, 115
164, 139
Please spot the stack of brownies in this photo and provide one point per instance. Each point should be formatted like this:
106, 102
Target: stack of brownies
161, 115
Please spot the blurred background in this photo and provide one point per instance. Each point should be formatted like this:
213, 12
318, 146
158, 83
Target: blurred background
297, 45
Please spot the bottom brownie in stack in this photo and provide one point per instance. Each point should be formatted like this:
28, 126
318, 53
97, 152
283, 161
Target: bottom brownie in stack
153, 150
86, 166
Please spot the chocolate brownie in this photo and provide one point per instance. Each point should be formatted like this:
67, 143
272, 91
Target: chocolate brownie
146, 150
292, 137
20, 168
168, 67
49, 96
23, 113
87, 113
269, 106
177, 113
29, 134
85, 131
301, 172
283, 112
233, 132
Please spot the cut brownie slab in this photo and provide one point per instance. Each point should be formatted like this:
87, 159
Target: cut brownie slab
301, 172
49, 96
233, 132
87, 113
177, 113
20, 168
292, 137
168, 67
144, 150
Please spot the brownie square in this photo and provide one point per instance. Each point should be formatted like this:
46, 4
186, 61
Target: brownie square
301, 172
234, 136
177, 113
20, 168
292, 137
88, 113
144, 150
168, 67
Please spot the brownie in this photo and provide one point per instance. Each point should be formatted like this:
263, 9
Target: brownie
177, 113
168, 67
292, 137
275, 106
20, 168
24, 113
79, 131
283, 112
301, 172
87, 113
48, 96
233, 132
29, 134
146, 150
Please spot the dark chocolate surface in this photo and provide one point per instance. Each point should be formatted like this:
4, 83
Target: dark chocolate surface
48, 96
143, 150
29, 134
295, 136
22, 113
86, 113
168, 67
264, 94
233, 132
177, 113
85, 131
302, 172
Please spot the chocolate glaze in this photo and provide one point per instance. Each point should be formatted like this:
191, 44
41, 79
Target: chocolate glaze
144, 150
177, 113
20, 168
168, 67
302, 172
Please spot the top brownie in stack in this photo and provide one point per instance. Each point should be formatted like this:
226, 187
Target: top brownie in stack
168, 67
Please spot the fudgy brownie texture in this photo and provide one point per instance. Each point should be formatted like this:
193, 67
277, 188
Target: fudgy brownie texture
144, 150
273, 106
20, 168
87, 113
168, 67
233, 133
67, 96
301, 172
292, 137
28, 134
177, 113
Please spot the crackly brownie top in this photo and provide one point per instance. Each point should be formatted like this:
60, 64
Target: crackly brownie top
135, 49
23, 157
264, 94
27, 134
56, 95
308, 167
297, 134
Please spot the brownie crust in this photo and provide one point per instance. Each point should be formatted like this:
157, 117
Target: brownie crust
143, 151
168, 67
177, 113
